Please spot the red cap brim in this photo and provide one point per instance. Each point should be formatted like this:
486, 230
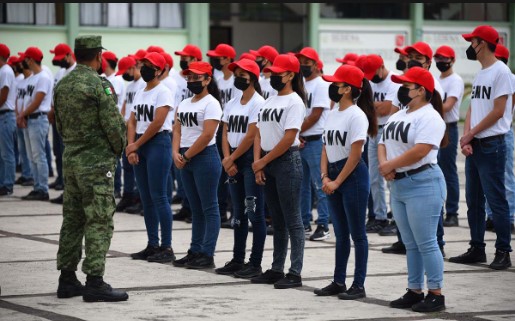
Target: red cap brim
468, 36
399, 79
330, 78
181, 53
59, 57
212, 53
274, 69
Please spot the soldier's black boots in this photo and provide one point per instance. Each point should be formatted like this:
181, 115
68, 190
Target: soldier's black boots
97, 290
69, 285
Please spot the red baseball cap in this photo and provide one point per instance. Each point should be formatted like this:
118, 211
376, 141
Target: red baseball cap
349, 58
34, 53
247, 55
487, 33
401, 51
267, 52
445, 51
124, 64
309, 53
348, 74
246, 64
370, 64
168, 58
199, 68
155, 49
12, 60
104, 64
360, 61
320, 65
284, 62
60, 51
417, 75
155, 59
190, 50
222, 50
140, 54
422, 48
502, 52
4, 51
109, 55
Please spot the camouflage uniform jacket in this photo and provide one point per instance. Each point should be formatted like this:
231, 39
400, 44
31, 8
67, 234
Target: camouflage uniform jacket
87, 118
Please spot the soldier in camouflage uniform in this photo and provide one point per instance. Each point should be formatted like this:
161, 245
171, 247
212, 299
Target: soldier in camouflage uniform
94, 134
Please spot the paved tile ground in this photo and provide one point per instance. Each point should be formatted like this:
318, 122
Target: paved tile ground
29, 233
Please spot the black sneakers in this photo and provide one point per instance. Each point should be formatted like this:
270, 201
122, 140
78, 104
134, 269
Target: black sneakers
248, 271
58, 200
182, 262
182, 214
229, 268
395, 248
289, 281
125, 202
451, 220
501, 261
331, 289
377, 226
371, 221
36, 196
269, 277
69, 286
176, 199
307, 230
97, 290
353, 293
144, 254
201, 261
164, 255
431, 303
4, 191
321, 233
407, 300
24, 180
473, 255
389, 230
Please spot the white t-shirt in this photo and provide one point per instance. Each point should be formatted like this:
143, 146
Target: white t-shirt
119, 88
227, 90
132, 88
238, 117
406, 129
191, 116
48, 71
21, 92
278, 114
217, 74
146, 103
39, 82
438, 88
266, 88
7, 79
182, 91
342, 129
491, 83
63, 72
317, 91
386, 90
453, 86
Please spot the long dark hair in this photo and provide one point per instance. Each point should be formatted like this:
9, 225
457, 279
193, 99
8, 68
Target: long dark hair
257, 86
436, 100
212, 89
297, 84
366, 103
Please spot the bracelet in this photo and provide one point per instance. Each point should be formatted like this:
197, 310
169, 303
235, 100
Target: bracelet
186, 159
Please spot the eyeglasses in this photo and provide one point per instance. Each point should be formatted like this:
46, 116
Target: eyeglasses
194, 77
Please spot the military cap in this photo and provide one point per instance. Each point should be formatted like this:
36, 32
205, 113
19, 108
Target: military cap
88, 42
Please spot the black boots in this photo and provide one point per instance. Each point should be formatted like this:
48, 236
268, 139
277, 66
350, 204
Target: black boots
97, 290
69, 285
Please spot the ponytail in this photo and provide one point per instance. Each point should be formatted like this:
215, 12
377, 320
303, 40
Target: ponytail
297, 85
436, 100
365, 101
257, 86
212, 89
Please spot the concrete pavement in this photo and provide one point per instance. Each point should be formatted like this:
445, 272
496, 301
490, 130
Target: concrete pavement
29, 233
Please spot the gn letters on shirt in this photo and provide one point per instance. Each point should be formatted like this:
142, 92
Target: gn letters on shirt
317, 91
386, 90
406, 129
147, 102
132, 88
238, 117
454, 87
39, 82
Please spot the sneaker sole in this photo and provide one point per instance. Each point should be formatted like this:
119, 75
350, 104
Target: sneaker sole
161, 261
323, 293
102, 298
325, 237
238, 276
436, 309
199, 267
225, 272
287, 286
499, 268
264, 282
68, 294
351, 297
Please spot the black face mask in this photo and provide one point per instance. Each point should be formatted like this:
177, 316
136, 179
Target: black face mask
184, 64
277, 82
403, 96
261, 65
25, 65
147, 73
414, 63
241, 83
64, 64
443, 66
333, 93
195, 86
56, 63
400, 65
127, 77
376, 79
306, 71
19, 69
471, 52
216, 64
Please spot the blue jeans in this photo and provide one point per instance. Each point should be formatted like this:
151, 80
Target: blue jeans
364, 156
129, 186
417, 202
310, 155
484, 172
245, 186
169, 182
509, 177
48, 152
58, 147
36, 136
282, 196
348, 207
26, 170
180, 188
155, 159
377, 182
200, 179
447, 162
8, 160
223, 190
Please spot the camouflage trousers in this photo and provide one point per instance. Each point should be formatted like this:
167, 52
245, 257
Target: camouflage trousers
88, 209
